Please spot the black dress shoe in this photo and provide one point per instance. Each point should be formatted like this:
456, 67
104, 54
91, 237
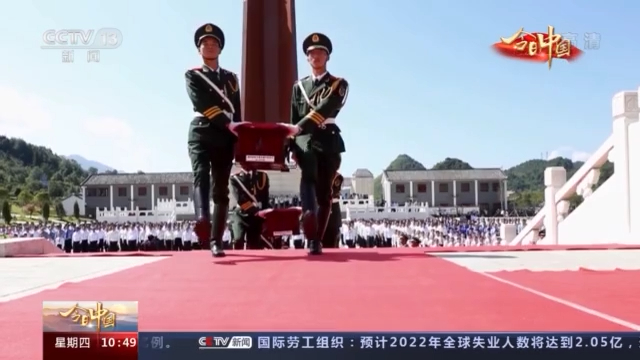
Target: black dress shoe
217, 250
315, 247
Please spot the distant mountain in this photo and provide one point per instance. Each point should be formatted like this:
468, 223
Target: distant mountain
86, 164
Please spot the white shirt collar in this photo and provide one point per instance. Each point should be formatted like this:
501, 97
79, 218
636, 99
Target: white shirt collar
216, 70
318, 77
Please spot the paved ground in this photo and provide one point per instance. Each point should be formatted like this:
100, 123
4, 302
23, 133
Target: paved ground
545, 260
25, 276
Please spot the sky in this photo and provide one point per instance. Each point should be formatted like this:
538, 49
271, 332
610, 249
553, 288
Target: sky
423, 78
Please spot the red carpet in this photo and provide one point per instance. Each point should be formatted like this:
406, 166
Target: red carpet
616, 293
373, 289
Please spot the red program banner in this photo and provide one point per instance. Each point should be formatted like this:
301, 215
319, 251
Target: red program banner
90, 345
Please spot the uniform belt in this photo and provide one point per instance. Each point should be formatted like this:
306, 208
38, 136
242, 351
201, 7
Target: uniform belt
199, 114
329, 121
335, 201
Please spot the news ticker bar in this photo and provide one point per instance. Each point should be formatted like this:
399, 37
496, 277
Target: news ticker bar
292, 345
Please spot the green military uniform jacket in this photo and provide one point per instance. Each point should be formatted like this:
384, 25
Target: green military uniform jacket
326, 98
257, 185
210, 122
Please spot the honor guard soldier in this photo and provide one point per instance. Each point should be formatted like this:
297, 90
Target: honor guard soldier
251, 191
332, 234
215, 95
317, 148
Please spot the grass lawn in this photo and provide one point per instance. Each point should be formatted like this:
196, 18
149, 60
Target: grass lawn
19, 215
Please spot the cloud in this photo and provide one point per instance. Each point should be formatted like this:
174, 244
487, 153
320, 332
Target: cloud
22, 113
569, 152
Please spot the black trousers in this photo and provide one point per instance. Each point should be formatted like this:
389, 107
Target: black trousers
93, 246
186, 245
77, 247
132, 245
332, 233
211, 163
177, 244
68, 245
246, 230
113, 246
84, 246
168, 244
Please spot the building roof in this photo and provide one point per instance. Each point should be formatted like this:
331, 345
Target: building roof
445, 175
362, 173
134, 179
346, 182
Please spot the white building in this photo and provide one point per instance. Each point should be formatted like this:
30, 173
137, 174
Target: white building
69, 202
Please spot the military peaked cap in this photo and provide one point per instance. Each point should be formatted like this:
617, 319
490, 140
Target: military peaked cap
209, 30
317, 41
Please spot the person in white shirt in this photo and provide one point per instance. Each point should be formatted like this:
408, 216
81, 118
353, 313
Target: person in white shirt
132, 239
177, 238
84, 239
113, 239
93, 240
186, 238
76, 241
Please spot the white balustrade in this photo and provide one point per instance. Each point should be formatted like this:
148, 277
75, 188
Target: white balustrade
119, 215
611, 213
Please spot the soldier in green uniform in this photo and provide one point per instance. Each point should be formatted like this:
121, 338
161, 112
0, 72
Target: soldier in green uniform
315, 103
251, 191
215, 95
332, 235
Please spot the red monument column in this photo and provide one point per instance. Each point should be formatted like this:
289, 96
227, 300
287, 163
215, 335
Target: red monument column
269, 62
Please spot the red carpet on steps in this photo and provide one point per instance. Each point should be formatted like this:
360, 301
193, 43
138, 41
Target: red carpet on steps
365, 289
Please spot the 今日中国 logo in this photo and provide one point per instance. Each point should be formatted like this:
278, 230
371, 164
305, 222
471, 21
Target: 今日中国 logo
537, 46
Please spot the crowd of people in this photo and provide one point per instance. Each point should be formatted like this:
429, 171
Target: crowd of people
179, 236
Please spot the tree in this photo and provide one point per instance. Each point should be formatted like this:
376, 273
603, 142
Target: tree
29, 209
25, 198
402, 162
6, 212
92, 171
41, 198
31, 168
60, 212
4, 193
45, 211
452, 164
76, 210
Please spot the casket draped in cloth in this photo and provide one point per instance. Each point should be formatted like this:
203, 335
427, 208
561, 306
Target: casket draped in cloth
261, 146
281, 222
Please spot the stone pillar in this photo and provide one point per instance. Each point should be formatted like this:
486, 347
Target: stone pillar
269, 61
476, 191
433, 193
455, 194
173, 192
508, 232
411, 190
131, 198
110, 197
153, 197
625, 112
554, 178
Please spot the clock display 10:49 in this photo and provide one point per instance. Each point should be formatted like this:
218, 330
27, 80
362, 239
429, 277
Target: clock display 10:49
116, 342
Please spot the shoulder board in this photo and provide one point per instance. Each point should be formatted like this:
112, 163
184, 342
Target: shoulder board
227, 72
304, 78
196, 68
